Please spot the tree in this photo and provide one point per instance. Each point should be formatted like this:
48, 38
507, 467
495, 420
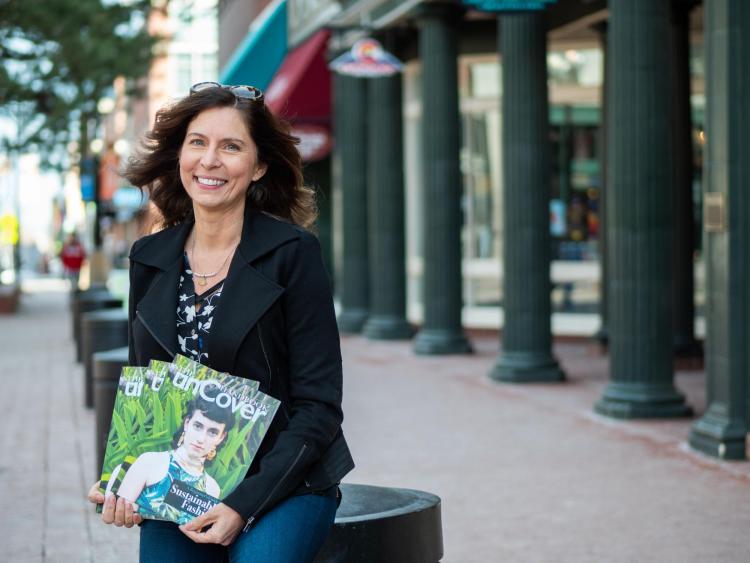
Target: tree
59, 58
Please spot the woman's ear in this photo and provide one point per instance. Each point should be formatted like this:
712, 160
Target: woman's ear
260, 171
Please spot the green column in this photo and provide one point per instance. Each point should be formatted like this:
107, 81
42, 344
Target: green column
387, 320
351, 171
685, 343
441, 331
639, 215
602, 333
722, 429
527, 339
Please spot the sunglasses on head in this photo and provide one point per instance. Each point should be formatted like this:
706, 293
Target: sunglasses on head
240, 92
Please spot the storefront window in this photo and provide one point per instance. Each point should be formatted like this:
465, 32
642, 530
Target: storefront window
579, 67
576, 183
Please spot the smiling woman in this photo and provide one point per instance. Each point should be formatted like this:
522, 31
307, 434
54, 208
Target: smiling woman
236, 281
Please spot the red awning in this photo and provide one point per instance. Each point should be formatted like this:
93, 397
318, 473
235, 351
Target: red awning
301, 89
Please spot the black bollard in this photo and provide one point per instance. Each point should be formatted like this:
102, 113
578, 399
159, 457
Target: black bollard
85, 302
100, 330
107, 367
384, 525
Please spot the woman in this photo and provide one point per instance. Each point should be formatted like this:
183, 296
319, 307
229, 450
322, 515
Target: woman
150, 477
226, 176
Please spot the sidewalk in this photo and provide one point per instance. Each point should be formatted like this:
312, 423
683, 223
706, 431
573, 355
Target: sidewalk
525, 473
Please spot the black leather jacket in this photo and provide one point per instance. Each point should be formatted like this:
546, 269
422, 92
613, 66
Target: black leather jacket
276, 324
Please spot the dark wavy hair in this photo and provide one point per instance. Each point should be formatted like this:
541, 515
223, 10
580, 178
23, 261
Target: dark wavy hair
280, 192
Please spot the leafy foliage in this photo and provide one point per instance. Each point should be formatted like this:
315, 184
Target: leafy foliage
58, 58
151, 420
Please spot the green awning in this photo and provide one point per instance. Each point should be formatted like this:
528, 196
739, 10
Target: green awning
261, 52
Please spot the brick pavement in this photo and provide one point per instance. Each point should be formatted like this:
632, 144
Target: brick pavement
526, 473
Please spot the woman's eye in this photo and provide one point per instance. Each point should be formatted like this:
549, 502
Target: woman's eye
233, 147
197, 142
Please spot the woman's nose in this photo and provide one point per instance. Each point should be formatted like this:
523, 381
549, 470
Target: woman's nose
210, 159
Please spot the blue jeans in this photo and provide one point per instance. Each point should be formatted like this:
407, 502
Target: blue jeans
292, 532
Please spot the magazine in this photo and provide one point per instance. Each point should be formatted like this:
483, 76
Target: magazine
182, 437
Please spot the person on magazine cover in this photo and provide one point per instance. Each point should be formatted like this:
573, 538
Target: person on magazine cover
148, 480
226, 175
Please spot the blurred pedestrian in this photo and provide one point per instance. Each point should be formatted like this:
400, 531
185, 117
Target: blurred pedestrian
72, 256
236, 280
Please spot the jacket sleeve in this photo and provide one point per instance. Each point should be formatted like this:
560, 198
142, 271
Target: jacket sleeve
315, 382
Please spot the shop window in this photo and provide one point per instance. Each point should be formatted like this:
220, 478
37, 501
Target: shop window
575, 67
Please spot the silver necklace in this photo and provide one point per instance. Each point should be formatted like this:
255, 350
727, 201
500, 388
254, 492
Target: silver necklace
203, 277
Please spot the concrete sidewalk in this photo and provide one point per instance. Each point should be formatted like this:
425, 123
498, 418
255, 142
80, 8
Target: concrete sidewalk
525, 473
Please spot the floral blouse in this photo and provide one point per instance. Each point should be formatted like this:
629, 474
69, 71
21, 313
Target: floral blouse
195, 315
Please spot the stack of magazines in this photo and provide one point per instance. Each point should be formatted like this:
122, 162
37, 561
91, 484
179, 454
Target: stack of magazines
182, 437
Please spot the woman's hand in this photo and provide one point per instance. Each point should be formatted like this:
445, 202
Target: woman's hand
117, 511
225, 525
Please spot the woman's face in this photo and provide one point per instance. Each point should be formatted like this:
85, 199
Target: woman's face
218, 160
202, 435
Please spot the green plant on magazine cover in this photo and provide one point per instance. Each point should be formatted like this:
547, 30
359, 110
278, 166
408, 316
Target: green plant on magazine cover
182, 437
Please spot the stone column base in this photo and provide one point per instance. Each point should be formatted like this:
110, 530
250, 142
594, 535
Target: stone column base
642, 400
351, 321
387, 327
435, 341
526, 367
718, 436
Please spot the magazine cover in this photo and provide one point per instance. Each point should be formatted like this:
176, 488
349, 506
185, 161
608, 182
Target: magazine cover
182, 437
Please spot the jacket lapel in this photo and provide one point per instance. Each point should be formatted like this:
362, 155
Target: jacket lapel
247, 293
157, 309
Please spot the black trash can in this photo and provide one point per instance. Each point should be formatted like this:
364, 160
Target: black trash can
107, 367
100, 330
384, 525
85, 302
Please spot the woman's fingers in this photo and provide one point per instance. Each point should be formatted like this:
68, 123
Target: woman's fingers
120, 512
95, 495
129, 521
108, 513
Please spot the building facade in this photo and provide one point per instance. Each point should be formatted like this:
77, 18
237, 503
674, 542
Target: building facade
551, 180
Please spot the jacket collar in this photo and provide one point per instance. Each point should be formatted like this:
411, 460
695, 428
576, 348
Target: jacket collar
261, 233
247, 294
